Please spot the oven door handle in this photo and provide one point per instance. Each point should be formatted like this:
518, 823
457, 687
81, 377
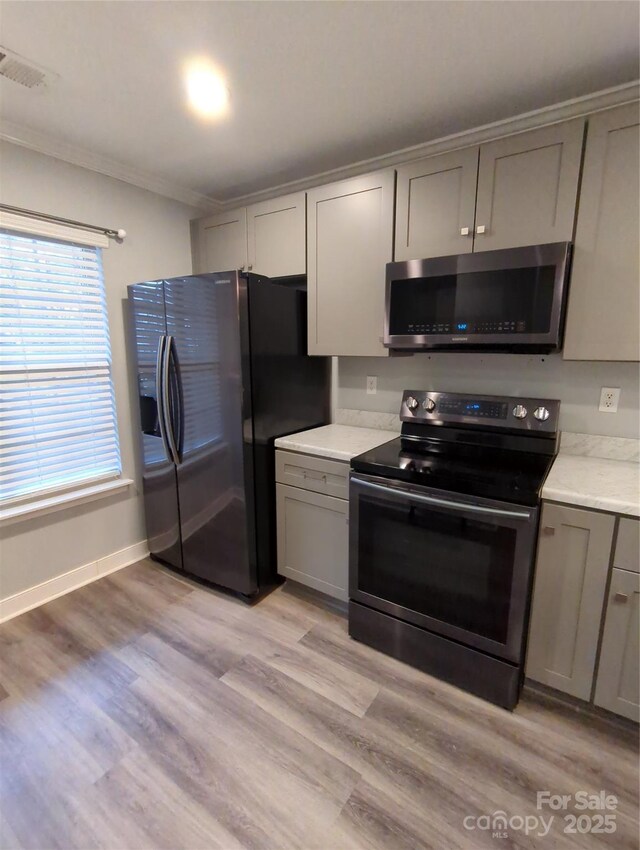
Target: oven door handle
445, 503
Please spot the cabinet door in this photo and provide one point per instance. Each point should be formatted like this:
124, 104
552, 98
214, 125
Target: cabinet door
313, 540
627, 554
528, 187
435, 205
276, 233
350, 240
222, 242
604, 297
617, 687
568, 596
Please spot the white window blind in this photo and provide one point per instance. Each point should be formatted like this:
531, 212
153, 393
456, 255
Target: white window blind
57, 412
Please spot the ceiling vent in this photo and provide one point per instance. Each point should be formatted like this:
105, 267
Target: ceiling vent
23, 71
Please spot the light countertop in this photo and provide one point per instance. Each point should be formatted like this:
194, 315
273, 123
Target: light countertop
594, 482
575, 479
339, 442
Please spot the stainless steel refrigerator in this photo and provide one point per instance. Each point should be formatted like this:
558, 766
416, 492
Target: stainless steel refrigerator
222, 371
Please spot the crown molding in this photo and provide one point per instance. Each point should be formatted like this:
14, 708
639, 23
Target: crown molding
25, 137
575, 108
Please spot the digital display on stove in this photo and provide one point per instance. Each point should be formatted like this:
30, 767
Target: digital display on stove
473, 407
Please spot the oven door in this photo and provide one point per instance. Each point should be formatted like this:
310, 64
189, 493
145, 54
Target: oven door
456, 565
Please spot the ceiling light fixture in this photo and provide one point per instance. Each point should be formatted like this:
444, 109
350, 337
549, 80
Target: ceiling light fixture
207, 90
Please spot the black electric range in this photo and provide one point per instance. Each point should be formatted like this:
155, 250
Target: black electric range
443, 531
505, 467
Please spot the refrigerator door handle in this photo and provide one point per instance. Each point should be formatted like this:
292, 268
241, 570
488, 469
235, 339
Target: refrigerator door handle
166, 401
160, 395
175, 415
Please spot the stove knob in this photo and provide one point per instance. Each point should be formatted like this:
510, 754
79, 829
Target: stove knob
541, 413
411, 402
520, 411
429, 405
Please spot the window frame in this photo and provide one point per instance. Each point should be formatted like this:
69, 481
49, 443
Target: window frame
87, 489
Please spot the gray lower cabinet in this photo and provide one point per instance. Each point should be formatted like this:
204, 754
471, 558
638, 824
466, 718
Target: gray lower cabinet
313, 526
604, 296
617, 684
583, 637
572, 566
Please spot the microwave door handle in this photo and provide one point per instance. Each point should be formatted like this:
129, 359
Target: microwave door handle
445, 503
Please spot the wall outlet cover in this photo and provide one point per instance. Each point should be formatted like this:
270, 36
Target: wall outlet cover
372, 384
609, 399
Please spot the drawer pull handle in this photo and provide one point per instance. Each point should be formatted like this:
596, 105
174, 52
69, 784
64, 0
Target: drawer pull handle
321, 477
620, 597
548, 530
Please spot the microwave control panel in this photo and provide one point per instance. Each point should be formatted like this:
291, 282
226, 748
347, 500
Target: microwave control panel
506, 326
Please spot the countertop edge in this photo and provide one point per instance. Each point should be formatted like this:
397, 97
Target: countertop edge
303, 441
590, 502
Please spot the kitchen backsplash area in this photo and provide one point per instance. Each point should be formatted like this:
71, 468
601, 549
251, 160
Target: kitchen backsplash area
576, 383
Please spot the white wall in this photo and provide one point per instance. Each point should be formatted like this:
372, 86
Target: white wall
157, 245
576, 384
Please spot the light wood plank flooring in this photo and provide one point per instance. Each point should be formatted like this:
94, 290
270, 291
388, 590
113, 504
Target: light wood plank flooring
143, 711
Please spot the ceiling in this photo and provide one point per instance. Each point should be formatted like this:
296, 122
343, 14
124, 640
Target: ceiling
314, 85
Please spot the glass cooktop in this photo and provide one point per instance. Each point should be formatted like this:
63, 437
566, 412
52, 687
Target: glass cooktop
492, 472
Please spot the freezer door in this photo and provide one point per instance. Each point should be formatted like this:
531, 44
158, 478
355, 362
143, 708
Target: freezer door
211, 427
147, 314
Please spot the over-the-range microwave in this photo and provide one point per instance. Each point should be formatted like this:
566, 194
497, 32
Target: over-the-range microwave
507, 300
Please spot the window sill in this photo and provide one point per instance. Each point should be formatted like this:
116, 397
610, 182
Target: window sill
17, 513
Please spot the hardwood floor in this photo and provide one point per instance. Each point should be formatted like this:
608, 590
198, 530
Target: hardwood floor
143, 711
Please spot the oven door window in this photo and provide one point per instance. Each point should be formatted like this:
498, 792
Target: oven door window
446, 566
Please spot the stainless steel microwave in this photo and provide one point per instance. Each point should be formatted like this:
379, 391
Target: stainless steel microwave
508, 300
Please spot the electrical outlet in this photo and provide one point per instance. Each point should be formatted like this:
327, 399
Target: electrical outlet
609, 399
372, 385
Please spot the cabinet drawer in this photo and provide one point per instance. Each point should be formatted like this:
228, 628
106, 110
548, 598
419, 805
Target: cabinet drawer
313, 540
627, 552
318, 474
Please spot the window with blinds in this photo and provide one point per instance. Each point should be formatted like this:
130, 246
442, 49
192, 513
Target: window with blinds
57, 412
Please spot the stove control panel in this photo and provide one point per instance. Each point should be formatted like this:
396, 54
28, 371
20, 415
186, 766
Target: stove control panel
522, 414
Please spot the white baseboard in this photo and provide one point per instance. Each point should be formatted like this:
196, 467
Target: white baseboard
32, 597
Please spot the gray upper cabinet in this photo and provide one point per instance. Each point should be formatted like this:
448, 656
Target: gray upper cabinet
350, 241
604, 297
276, 233
435, 205
221, 242
617, 685
528, 186
568, 596
268, 238
520, 190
